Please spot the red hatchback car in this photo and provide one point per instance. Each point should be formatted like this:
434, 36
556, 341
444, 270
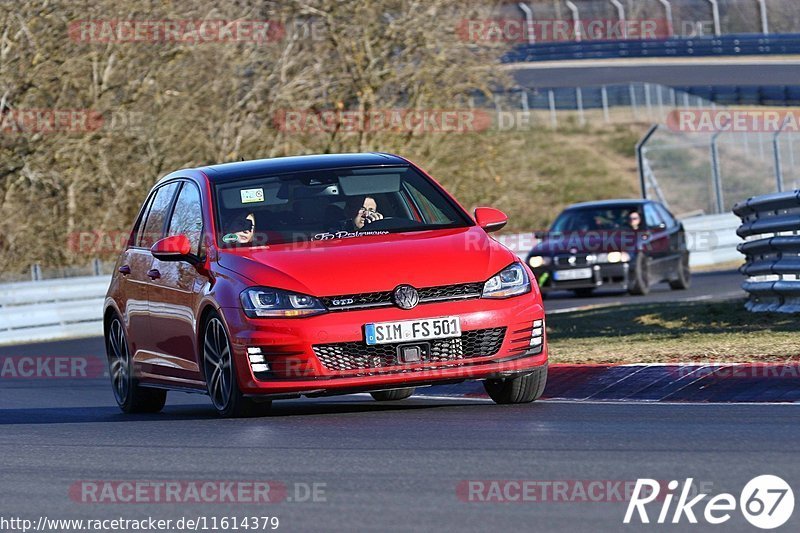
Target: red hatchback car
315, 276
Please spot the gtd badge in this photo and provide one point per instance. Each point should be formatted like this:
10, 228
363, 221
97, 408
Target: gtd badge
406, 297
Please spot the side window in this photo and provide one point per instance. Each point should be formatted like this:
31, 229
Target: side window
651, 217
140, 222
666, 216
187, 217
154, 226
430, 213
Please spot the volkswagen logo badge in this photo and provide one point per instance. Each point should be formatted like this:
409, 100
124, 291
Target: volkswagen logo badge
406, 297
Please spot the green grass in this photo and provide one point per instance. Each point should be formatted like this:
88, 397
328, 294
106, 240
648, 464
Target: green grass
673, 332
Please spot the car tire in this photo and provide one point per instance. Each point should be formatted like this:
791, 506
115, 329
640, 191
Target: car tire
684, 279
583, 293
640, 285
219, 367
392, 395
521, 389
130, 396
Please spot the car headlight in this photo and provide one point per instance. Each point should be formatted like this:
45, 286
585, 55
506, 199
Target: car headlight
260, 302
536, 261
617, 257
511, 281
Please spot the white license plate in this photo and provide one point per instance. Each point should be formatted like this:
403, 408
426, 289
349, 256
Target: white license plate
570, 275
412, 330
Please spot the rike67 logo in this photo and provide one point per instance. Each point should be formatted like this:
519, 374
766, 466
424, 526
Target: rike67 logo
767, 502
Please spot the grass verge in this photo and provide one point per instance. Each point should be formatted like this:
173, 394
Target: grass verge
673, 332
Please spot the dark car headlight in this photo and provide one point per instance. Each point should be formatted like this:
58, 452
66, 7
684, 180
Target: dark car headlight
511, 281
261, 302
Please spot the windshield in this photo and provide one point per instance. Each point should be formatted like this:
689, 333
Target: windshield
598, 219
331, 204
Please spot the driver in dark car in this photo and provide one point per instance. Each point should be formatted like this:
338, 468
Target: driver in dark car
360, 213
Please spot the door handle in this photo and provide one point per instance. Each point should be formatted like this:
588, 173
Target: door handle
124, 270
153, 274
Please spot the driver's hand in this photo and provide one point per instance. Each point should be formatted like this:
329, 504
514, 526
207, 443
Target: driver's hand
372, 216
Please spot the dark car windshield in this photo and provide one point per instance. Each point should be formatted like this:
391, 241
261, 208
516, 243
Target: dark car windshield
331, 204
594, 219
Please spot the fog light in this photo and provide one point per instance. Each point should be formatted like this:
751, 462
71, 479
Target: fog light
260, 367
256, 358
537, 336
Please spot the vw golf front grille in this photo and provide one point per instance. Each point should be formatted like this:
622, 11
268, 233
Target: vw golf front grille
360, 356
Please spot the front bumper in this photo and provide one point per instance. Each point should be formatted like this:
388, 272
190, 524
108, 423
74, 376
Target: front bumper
602, 275
288, 346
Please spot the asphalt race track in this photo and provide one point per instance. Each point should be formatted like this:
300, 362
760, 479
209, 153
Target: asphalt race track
394, 467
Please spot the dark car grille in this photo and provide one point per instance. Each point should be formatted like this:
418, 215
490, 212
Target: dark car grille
366, 300
563, 260
360, 356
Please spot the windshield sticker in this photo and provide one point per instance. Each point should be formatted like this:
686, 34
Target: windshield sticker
230, 237
346, 235
250, 196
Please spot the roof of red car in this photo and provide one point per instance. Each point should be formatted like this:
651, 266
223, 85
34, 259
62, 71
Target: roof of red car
285, 165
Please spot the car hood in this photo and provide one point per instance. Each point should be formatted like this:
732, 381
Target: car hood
588, 242
373, 263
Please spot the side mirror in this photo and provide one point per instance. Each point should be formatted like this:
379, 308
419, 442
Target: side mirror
490, 219
174, 248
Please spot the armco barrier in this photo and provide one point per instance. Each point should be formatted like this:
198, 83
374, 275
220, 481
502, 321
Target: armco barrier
727, 45
53, 309
771, 229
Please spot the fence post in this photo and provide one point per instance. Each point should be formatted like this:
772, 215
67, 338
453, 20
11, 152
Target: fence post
36, 272
668, 14
579, 101
715, 174
778, 165
640, 148
648, 101
715, 15
528, 22
604, 96
634, 107
96, 266
764, 17
551, 98
576, 20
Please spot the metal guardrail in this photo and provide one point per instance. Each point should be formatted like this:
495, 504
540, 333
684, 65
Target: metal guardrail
771, 229
35, 311
727, 45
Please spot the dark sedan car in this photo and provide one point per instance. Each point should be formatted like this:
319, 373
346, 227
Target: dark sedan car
628, 244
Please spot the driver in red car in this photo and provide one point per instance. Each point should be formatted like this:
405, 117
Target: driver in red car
240, 228
361, 213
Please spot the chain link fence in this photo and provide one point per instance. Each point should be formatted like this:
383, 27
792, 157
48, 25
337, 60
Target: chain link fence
709, 172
